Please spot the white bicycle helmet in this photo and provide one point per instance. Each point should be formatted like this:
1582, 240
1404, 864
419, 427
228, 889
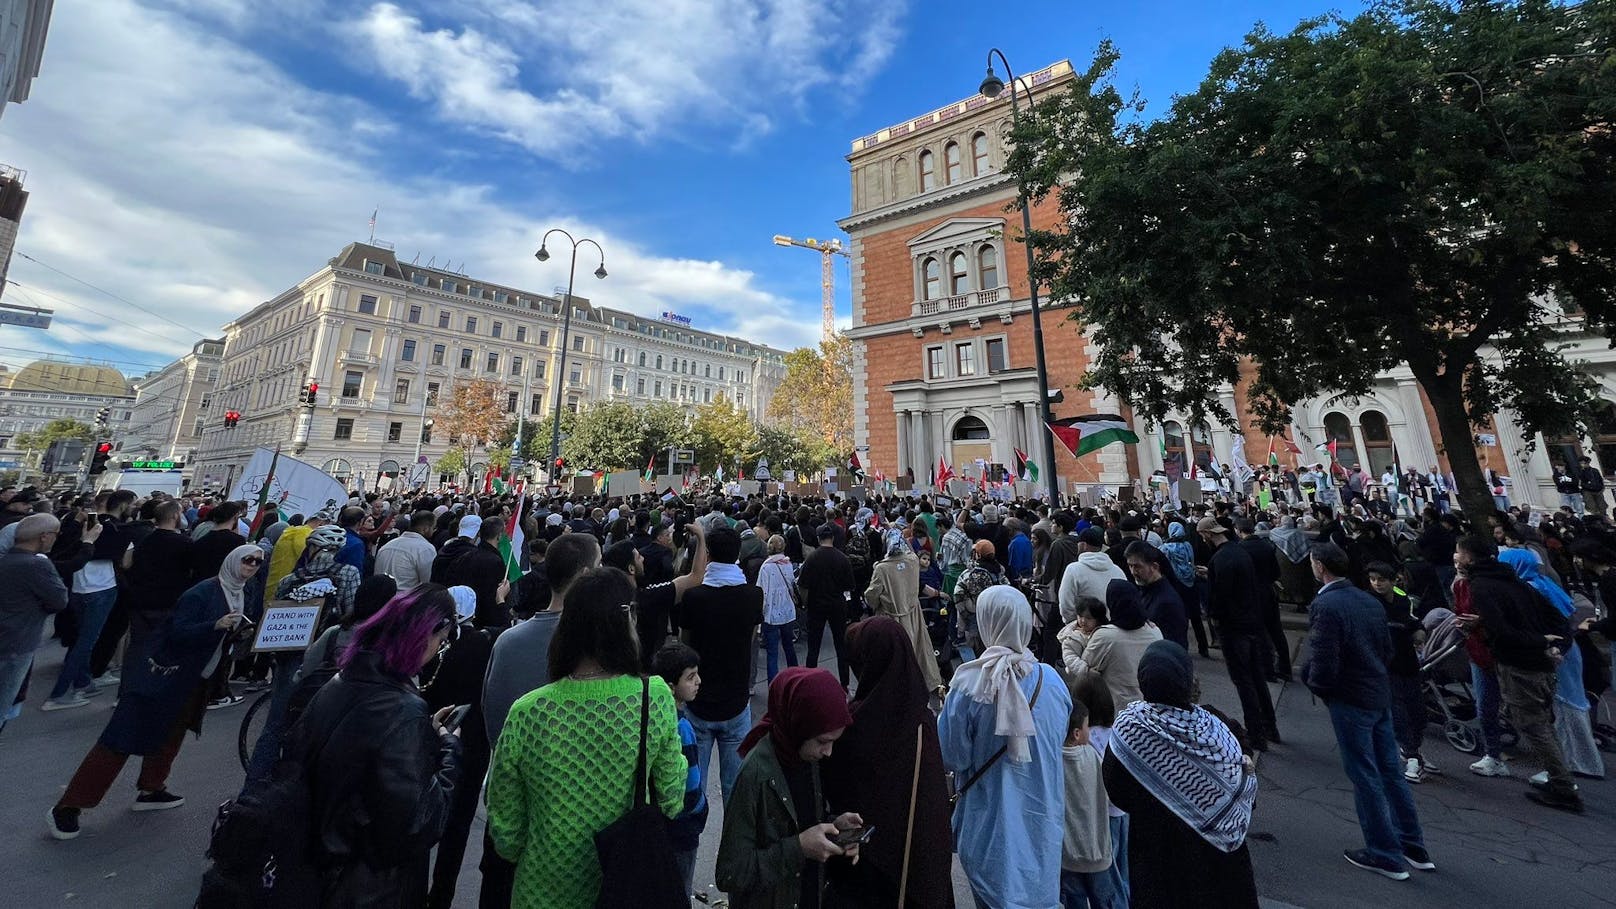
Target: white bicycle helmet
328, 537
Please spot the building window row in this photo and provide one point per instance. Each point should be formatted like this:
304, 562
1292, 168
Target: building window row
959, 273
953, 163
961, 359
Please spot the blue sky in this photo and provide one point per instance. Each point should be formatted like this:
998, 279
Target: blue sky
195, 157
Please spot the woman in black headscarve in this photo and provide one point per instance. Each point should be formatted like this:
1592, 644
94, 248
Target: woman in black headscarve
1114, 649
1188, 790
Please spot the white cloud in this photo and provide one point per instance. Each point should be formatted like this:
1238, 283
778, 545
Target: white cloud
561, 76
180, 170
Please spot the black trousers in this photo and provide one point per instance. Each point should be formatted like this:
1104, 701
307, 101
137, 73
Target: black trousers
462, 811
837, 620
1276, 637
111, 634
499, 878
1246, 655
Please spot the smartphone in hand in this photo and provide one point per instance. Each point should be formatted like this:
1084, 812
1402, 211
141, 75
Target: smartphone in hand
858, 836
457, 718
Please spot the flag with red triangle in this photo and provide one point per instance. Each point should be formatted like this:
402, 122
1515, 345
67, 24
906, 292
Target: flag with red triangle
944, 473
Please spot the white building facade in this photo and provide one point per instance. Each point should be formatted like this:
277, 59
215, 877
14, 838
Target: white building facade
387, 341
48, 390
171, 407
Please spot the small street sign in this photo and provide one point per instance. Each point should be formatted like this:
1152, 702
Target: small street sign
25, 316
684, 456
518, 463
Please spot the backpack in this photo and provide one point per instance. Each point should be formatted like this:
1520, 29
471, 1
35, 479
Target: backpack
858, 550
261, 841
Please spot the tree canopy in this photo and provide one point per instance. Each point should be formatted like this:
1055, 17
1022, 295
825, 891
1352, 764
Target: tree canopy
1411, 185
54, 431
815, 399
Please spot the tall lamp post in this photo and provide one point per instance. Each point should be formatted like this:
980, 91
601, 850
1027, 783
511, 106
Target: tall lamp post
543, 255
991, 87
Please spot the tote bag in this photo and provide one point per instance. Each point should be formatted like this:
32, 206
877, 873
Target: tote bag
637, 867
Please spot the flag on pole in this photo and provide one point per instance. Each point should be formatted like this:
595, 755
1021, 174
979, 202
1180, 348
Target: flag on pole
944, 474
259, 525
719, 473
1273, 458
374, 212
510, 545
854, 467
1082, 435
650, 469
1243, 473
488, 482
499, 485
1025, 468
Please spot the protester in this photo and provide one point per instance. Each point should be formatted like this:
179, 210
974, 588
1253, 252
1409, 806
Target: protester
408, 557
774, 846
894, 591
679, 665
382, 768
1349, 650
1188, 790
874, 769
1089, 575
1164, 607
1236, 605
30, 591
565, 762
1086, 847
1113, 649
1002, 729
164, 697
1403, 671
827, 584
779, 584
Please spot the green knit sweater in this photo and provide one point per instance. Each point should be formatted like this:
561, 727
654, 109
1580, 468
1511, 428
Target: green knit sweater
564, 770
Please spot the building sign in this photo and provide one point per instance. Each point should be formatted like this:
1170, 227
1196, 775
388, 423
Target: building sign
152, 465
675, 317
30, 317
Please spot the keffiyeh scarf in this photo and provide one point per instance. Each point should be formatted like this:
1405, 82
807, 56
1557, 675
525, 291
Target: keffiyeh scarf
1191, 762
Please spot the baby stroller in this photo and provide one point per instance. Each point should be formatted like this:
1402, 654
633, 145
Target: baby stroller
935, 612
1450, 699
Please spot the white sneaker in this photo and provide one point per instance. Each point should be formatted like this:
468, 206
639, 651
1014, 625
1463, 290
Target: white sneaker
1412, 771
1490, 766
108, 679
65, 702
1430, 768
1541, 780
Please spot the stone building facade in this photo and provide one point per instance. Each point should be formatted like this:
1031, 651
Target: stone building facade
171, 407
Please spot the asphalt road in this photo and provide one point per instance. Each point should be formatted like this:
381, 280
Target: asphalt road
1492, 846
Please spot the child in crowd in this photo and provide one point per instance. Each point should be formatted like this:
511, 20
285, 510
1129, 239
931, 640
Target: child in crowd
1086, 851
1403, 670
680, 666
1089, 689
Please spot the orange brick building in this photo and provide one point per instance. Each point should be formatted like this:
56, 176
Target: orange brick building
944, 363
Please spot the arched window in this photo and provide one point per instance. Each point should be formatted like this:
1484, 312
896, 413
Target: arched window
971, 429
338, 469
933, 275
987, 267
389, 468
958, 277
1377, 440
979, 154
928, 172
951, 160
1338, 429
1173, 444
1201, 442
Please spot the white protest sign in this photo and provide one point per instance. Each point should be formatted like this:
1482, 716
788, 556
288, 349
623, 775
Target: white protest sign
287, 628
296, 488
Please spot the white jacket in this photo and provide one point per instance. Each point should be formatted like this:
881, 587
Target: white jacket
1086, 577
776, 578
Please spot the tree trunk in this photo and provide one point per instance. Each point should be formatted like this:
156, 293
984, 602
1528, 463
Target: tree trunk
1446, 394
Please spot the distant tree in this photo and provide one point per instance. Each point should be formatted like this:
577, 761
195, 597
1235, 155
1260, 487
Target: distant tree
787, 449
722, 434
816, 397
1407, 186
54, 431
453, 463
475, 415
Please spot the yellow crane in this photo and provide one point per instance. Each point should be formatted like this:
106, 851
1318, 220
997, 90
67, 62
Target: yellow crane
828, 251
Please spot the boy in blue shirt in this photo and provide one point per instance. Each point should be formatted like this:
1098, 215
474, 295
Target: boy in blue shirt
680, 666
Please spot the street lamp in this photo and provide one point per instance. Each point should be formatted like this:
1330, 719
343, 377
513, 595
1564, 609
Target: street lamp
992, 87
543, 255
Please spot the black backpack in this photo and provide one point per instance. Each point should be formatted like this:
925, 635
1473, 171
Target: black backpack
261, 846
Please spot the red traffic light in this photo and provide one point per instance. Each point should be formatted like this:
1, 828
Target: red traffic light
104, 448
314, 388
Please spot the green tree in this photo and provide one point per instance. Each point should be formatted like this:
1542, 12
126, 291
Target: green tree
816, 396
1410, 185
722, 433
602, 435
787, 449
452, 463
54, 431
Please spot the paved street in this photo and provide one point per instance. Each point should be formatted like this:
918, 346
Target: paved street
1493, 848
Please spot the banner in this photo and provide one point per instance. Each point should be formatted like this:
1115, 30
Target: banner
296, 488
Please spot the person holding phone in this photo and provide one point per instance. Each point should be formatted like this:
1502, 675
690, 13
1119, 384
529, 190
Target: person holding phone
165, 695
775, 840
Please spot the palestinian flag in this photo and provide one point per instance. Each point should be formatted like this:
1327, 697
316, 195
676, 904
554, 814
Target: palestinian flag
510, 545
1082, 435
259, 522
1273, 458
1025, 469
650, 469
853, 465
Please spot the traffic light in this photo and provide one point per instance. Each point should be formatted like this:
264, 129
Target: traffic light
560, 465
98, 461
231, 418
103, 416
310, 395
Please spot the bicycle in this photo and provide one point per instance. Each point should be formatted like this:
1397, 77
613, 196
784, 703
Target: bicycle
252, 726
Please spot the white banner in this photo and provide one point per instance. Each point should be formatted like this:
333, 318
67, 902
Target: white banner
1243, 473
297, 487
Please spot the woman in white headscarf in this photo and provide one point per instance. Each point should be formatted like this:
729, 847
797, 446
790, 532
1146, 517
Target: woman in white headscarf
895, 591
1002, 728
164, 696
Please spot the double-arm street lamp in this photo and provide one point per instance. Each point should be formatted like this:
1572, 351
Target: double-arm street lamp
543, 255
991, 87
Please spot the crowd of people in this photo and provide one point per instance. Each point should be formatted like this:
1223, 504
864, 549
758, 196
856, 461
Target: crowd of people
1014, 683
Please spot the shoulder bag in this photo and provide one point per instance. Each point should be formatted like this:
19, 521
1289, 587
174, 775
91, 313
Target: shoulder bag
975, 777
637, 867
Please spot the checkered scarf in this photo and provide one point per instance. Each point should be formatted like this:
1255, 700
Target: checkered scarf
1191, 762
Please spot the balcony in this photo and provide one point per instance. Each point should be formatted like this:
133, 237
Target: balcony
960, 302
359, 358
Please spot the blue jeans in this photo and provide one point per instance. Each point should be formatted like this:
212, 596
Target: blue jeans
92, 609
686, 860
1119, 858
1488, 696
1385, 806
727, 734
1082, 890
13, 670
778, 638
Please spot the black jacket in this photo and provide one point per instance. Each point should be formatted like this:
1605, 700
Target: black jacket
482, 568
1514, 617
826, 575
381, 781
1349, 647
159, 572
1403, 626
447, 554
1234, 599
1265, 562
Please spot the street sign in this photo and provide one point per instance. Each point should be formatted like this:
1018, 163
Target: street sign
518, 463
25, 316
152, 465
684, 456
418, 474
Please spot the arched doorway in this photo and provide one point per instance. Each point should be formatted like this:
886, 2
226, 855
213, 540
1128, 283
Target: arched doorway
387, 475
340, 469
970, 441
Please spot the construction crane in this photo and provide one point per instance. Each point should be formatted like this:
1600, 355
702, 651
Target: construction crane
828, 251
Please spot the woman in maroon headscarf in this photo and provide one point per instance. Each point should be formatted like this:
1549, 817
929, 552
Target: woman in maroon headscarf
872, 770
776, 838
